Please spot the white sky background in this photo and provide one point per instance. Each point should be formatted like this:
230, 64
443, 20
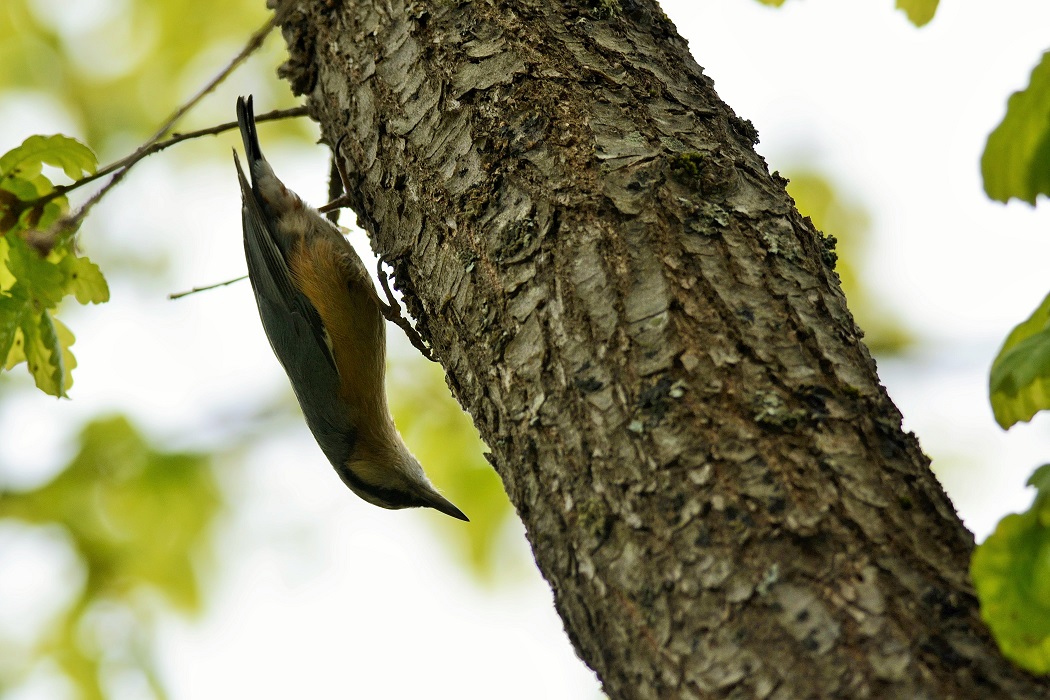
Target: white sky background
319, 595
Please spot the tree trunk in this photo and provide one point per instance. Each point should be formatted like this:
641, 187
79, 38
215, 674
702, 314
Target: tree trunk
654, 345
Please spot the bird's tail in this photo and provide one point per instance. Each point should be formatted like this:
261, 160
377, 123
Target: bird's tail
246, 120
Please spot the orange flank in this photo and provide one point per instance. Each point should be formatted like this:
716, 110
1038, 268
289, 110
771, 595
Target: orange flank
335, 281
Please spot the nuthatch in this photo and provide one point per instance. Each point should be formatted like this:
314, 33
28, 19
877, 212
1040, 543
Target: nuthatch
324, 320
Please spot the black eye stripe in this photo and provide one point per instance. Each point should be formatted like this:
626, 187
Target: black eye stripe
391, 498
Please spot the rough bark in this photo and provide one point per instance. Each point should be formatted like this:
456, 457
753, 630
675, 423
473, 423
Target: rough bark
654, 345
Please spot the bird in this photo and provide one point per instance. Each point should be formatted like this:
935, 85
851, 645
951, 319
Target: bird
325, 323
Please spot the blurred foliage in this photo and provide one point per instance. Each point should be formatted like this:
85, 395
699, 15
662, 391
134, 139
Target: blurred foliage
816, 198
448, 446
1020, 379
1011, 569
39, 266
118, 68
139, 519
121, 66
1011, 573
919, 11
1016, 160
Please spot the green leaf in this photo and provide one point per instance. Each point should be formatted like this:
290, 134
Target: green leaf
42, 217
31, 287
11, 310
64, 152
25, 189
1019, 384
1011, 574
16, 215
38, 279
16, 355
65, 339
43, 343
1040, 479
85, 279
7, 280
919, 12
772, 3
1016, 160
44, 354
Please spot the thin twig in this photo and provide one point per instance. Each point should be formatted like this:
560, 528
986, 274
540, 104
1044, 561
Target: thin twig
139, 154
179, 295
72, 222
251, 47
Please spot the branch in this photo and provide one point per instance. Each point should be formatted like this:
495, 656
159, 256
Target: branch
158, 146
179, 295
154, 143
